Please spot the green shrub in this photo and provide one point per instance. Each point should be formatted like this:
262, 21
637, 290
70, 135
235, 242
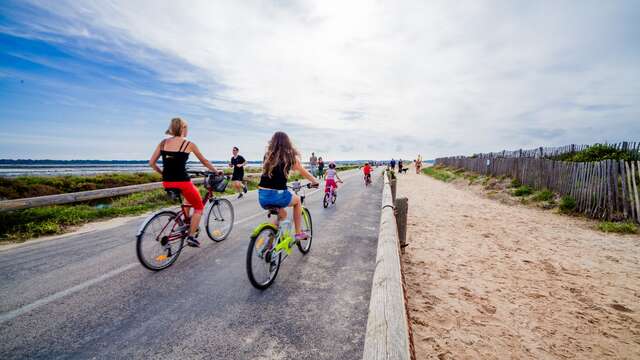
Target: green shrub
567, 204
626, 227
597, 152
515, 183
523, 190
544, 195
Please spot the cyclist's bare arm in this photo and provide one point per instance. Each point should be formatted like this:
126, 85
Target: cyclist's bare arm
305, 174
153, 162
203, 160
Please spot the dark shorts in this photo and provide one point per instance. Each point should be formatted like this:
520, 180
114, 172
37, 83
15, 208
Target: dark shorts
274, 198
238, 175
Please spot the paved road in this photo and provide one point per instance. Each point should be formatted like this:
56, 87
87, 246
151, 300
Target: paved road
85, 296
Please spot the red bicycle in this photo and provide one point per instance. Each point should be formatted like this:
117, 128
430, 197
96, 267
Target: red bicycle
367, 180
162, 235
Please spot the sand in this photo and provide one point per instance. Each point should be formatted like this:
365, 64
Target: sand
488, 280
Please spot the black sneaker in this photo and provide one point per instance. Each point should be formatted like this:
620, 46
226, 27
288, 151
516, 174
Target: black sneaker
240, 195
193, 242
244, 188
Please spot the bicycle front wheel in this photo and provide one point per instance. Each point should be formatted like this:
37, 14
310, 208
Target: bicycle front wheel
160, 241
219, 221
307, 227
262, 263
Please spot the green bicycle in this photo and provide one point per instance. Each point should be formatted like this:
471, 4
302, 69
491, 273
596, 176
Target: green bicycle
270, 244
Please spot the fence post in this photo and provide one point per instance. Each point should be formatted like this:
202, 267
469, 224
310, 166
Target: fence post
392, 183
402, 208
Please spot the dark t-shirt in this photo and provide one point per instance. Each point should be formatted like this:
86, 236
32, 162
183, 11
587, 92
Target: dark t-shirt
238, 171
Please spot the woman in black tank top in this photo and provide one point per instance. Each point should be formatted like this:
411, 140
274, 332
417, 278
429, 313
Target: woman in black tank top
175, 153
282, 157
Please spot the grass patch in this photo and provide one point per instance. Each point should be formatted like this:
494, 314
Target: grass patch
626, 227
439, 173
544, 195
523, 190
567, 205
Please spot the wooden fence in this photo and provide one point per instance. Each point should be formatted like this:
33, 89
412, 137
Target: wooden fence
606, 190
550, 152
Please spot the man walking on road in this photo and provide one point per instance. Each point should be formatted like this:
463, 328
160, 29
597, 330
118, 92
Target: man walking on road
238, 162
392, 164
313, 162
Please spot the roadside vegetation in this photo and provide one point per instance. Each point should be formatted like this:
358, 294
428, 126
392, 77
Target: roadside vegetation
597, 152
440, 173
625, 227
545, 198
20, 225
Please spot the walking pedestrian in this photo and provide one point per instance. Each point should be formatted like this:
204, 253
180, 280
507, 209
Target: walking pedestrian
320, 168
313, 163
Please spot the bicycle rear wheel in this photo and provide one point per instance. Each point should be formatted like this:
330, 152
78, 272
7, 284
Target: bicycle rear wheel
220, 219
262, 264
307, 227
325, 200
159, 244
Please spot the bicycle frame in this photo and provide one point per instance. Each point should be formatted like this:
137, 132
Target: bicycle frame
283, 241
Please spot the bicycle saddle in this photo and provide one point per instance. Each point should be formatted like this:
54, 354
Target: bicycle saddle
273, 210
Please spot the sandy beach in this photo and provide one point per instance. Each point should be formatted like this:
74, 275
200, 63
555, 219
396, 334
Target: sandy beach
488, 280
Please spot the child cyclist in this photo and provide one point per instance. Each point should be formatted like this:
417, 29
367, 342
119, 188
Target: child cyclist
330, 178
280, 158
367, 169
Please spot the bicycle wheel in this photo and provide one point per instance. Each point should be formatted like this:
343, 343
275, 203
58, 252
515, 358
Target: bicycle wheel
220, 219
333, 200
262, 264
325, 201
160, 241
307, 226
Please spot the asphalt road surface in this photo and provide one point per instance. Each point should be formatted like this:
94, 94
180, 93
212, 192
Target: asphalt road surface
85, 296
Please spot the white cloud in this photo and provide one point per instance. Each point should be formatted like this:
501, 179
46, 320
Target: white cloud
465, 74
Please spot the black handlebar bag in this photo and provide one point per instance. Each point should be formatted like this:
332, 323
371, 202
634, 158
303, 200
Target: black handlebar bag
217, 183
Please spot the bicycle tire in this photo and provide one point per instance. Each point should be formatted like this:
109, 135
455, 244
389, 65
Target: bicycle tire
215, 234
251, 258
307, 226
335, 196
173, 217
325, 200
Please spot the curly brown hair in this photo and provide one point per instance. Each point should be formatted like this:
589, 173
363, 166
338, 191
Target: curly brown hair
279, 151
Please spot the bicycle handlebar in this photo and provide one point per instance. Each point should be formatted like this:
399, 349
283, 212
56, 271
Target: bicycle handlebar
204, 173
297, 186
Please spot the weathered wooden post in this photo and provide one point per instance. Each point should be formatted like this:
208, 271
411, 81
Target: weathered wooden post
392, 184
402, 208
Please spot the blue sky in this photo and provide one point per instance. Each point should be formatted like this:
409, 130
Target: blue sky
100, 80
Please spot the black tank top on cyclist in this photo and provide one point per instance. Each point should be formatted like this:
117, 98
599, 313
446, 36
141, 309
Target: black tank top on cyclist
174, 163
277, 181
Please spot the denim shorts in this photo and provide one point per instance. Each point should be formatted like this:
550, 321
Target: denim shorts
279, 198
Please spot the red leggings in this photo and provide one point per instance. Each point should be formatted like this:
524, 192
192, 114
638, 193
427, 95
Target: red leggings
189, 191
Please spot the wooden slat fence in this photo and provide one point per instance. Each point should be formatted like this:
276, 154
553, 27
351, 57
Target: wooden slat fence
550, 152
605, 190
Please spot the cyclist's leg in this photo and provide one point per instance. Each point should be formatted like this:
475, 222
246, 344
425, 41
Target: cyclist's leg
192, 197
297, 212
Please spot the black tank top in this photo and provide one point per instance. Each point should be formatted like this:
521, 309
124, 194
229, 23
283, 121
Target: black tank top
174, 163
277, 181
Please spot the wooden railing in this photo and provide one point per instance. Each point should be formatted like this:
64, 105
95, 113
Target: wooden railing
387, 335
